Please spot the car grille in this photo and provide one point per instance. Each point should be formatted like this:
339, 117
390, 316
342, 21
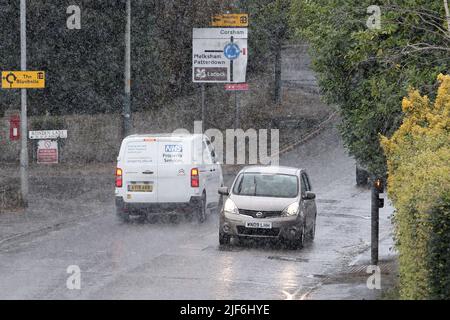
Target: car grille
265, 214
258, 232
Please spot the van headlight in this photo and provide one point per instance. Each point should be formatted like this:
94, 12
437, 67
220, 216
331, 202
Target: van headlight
291, 210
230, 207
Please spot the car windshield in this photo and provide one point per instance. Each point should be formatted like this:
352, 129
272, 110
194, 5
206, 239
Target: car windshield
266, 185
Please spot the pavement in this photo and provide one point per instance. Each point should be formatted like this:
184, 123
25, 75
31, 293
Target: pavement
71, 221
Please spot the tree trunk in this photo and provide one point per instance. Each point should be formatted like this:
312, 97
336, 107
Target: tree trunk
277, 92
447, 14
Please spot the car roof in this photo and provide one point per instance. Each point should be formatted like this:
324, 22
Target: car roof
271, 169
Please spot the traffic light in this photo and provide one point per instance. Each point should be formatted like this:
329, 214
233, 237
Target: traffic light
379, 188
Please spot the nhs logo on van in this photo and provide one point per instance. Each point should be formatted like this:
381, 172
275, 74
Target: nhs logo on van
173, 148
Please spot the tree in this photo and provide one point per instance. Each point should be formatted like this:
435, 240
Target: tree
366, 72
418, 155
269, 30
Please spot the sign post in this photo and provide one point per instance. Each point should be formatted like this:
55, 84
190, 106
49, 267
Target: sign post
219, 55
126, 112
376, 203
23, 116
23, 80
203, 106
236, 88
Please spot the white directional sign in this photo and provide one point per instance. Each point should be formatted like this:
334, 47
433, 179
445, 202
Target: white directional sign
219, 55
48, 134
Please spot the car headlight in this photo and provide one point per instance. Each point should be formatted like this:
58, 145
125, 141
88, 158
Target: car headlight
291, 210
230, 207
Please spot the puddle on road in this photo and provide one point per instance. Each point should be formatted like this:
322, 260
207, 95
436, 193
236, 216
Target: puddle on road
343, 215
283, 258
225, 248
317, 276
327, 201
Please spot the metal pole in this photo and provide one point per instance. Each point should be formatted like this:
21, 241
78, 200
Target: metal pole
127, 126
237, 111
23, 116
203, 107
375, 217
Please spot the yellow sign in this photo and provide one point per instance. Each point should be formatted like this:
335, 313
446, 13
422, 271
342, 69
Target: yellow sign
23, 79
230, 20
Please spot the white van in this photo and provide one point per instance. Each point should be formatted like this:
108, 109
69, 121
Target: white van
159, 173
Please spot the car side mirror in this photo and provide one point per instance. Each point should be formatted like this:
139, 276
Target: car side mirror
224, 191
309, 195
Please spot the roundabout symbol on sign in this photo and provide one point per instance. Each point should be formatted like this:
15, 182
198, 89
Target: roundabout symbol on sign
231, 51
10, 78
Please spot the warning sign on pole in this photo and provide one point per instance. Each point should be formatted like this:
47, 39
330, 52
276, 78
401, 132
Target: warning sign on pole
47, 152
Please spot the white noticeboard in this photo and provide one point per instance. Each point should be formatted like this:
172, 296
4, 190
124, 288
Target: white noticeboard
48, 134
47, 152
219, 55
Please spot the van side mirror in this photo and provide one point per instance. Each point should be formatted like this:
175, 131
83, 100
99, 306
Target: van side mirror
309, 195
224, 191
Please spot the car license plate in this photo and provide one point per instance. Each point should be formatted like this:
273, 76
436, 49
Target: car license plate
259, 225
140, 187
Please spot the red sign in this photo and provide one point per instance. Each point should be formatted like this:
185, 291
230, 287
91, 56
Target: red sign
47, 152
14, 128
236, 87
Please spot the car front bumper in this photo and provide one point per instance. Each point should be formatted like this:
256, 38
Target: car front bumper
288, 228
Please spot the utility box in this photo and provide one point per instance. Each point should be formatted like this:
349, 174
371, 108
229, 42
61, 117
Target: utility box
14, 128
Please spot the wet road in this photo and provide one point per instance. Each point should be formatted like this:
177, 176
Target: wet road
182, 260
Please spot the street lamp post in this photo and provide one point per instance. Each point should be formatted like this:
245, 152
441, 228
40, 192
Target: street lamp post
23, 116
127, 74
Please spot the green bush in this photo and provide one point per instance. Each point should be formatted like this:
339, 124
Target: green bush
418, 157
439, 249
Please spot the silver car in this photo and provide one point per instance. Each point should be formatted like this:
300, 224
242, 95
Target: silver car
269, 202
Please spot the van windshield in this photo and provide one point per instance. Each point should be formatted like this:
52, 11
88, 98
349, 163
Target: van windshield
266, 185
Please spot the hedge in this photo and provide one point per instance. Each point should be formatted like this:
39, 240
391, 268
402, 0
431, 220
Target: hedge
418, 158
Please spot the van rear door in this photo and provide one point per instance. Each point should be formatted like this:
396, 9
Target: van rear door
140, 172
174, 169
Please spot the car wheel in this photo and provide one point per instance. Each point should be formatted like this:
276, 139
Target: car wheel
201, 210
224, 239
300, 242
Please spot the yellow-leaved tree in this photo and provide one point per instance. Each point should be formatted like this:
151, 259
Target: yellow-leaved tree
418, 159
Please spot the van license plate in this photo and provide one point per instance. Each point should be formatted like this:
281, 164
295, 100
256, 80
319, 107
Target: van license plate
259, 225
140, 187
